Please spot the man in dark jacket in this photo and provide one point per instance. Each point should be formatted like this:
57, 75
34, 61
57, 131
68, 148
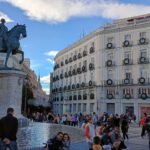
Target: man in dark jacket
146, 127
8, 130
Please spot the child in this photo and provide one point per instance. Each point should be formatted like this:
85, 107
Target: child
96, 143
66, 141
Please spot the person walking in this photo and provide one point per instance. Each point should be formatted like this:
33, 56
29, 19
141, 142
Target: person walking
125, 127
90, 132
146, 127
8, 131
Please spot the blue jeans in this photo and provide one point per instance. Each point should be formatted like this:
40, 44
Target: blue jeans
12, 145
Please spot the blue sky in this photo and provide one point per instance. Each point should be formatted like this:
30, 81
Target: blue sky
52, 25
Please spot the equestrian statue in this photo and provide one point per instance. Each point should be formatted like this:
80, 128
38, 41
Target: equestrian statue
9, 40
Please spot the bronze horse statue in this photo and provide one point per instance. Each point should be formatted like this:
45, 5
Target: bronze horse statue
11, 45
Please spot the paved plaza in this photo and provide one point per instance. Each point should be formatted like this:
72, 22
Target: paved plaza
135, 141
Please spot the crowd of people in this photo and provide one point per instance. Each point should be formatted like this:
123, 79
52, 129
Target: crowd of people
102, 132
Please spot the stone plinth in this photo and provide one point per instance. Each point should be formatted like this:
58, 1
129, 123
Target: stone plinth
13, 61
11, 82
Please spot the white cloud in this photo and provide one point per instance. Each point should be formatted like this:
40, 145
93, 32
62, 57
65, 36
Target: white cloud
55, 11
46, 90
52, 53
45, 79
2, 15
50, 60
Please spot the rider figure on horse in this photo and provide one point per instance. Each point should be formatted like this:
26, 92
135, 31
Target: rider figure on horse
3, 33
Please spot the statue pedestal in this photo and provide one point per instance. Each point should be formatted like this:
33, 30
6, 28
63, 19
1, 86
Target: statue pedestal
13, 61
11, 82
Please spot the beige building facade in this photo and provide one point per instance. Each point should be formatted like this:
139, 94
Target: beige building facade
106, 71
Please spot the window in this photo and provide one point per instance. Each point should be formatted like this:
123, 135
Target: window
128, 74
110, 39
143, 53
70, 81
92, 76
74, 108
92, 60
79, 79
66, 81
127, 54
75, 80
109, 74
143, 73
110, 56
80, 64
84, 107
91, 107
75, 66
142, 34
85, 63
70, 68
85, 78
79, 107
127, 37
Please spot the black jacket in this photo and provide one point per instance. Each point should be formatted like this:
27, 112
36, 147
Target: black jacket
54, 144
8, 127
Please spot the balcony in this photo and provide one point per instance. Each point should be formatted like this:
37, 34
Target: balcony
62, 63
91, 66
92, 50
70, 59
61, 76
74, 57
79, 55
143, 60
66, 75
84, 53
79, 70
84, 69
69, 73
127, 61
73, 72
66, 61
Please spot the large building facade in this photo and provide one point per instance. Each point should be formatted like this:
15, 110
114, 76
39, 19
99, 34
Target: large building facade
106, 71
